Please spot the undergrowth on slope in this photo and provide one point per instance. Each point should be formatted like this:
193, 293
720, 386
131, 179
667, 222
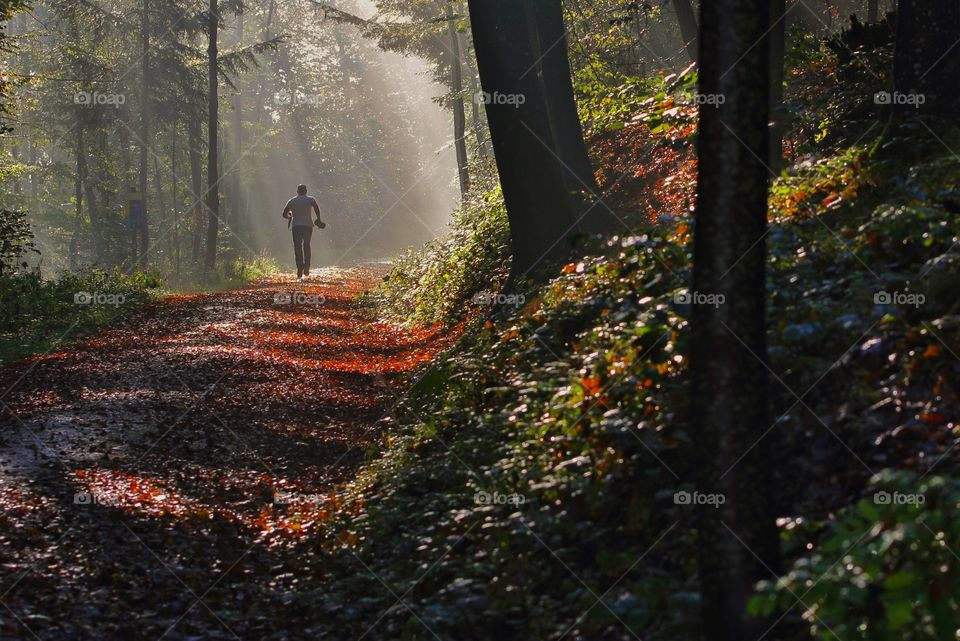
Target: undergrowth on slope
528, 486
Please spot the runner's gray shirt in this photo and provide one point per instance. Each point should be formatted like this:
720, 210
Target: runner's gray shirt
302, 208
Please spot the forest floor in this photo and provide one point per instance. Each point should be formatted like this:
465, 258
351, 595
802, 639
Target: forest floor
163, 478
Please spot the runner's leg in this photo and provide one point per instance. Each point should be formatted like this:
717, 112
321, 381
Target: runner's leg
298, 249
307, 233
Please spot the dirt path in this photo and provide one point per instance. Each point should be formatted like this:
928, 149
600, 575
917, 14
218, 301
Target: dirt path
162, 479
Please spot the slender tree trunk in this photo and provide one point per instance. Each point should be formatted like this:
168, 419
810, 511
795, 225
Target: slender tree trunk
173, 197
196, 182
926, 56
84, 189
459, 113
161, 205
476, 114
144, 125
687, 21
729, 385
213, 178
873, 11
541, 219
78, 202
236, 186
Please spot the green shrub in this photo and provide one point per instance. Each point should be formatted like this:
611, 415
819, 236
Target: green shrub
886, 570
434, 283
37, 314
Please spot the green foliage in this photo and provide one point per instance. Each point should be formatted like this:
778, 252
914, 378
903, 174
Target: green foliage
242, 270
435, 283
885, 570
16, 239
38, 315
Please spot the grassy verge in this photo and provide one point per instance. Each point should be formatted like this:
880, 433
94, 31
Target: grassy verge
38, 315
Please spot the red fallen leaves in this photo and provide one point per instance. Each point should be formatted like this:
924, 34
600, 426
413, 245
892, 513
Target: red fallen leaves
296, 388
649, 174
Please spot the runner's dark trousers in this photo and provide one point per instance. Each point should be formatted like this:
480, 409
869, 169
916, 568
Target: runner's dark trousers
301, 248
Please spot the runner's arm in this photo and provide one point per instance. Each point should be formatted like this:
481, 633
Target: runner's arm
316, 208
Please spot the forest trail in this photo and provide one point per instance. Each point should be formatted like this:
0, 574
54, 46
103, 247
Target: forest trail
162, 479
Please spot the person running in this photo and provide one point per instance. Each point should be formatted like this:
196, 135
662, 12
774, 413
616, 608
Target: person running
298, 211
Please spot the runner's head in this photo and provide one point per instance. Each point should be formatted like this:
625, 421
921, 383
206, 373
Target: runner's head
302, 190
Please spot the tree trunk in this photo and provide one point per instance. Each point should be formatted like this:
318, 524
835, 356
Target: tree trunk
161, 205
237, 200
84, 189
729, 385
687, 21
78, 202
144, 124
553, 64
777, 47
173, 197
541, 219
926, 56
459, 113
196, 182
873, 11
213, 179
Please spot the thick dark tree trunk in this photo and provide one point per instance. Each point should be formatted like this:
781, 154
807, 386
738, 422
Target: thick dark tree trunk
213, 178
144, 125
927, 56
687, 21
777, 46
729, 376
549, 36
459, 113
873, 11
541, 218
196, 184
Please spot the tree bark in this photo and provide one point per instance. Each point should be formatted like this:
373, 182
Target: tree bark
729, 385
237, 199
213, 179
144, 124
926, 56
84, 189
196, 182
459, 113
873, 11
549, 37
687, 21
541, 219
